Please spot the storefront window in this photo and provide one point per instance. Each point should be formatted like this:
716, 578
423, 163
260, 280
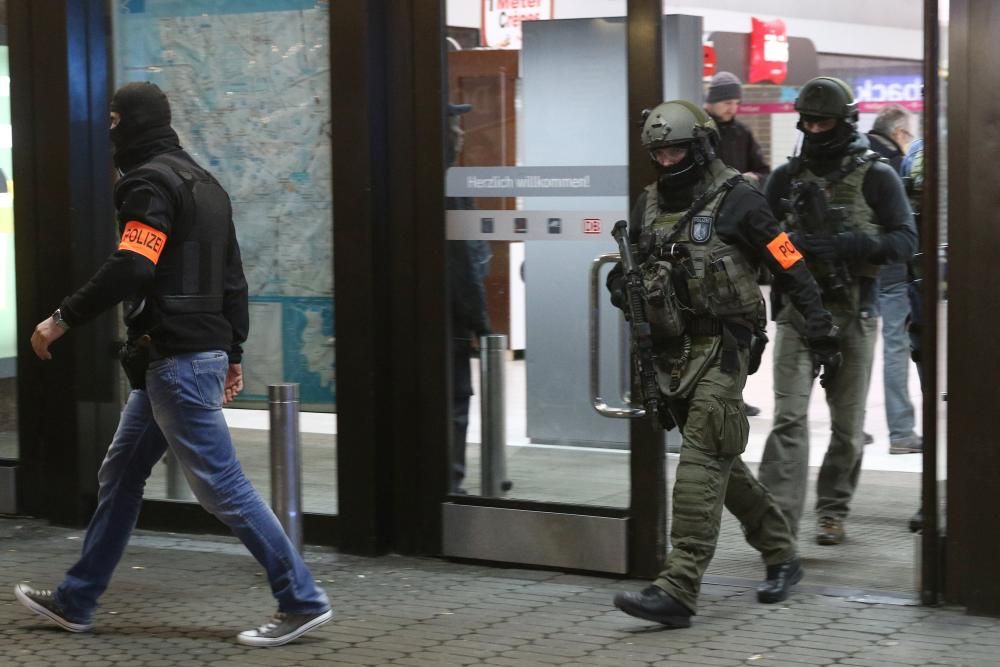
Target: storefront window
249, 85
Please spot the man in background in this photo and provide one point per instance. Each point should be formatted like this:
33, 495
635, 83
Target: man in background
468, 263
890, 137
737, 146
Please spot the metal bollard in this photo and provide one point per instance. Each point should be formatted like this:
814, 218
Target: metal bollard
286, 459
493, 418
177, 485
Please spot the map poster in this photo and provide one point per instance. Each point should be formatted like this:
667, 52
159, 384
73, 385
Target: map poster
249, 86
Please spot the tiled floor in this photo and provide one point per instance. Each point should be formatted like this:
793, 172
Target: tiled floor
180, 601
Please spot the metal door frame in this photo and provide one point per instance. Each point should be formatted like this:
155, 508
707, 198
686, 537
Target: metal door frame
622, 541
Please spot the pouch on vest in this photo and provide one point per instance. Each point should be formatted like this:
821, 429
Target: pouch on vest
662, 306
731, 285
692, 271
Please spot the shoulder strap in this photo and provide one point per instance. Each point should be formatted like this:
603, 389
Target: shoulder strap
699, 204
849, 166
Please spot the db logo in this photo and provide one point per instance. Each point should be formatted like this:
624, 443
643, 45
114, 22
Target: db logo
591, 225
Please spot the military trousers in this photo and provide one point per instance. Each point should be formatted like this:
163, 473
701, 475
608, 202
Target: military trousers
710, 475
784, 468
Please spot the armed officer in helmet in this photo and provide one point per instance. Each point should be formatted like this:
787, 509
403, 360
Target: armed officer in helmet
846, 211
701, 232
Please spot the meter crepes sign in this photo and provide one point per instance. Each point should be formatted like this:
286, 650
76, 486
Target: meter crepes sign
502, 20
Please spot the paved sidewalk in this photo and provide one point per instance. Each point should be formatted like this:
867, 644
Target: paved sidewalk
180, 600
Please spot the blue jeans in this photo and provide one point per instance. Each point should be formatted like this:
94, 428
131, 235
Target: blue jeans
181, 408
894, 303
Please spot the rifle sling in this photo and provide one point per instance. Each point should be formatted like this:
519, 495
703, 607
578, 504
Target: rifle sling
699, 204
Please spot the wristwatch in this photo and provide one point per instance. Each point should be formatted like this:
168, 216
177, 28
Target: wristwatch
58, 319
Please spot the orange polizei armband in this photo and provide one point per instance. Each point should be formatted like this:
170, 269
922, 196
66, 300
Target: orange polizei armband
144, 240
784, 251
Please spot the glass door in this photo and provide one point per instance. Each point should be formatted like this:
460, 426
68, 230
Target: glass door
538, 152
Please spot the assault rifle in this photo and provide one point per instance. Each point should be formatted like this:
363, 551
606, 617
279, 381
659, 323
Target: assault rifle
815, 216
642, 335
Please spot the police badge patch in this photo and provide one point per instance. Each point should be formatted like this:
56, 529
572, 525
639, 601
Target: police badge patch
701, 228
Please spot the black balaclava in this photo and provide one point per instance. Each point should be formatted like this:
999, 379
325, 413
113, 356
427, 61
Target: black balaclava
144, 129
826, 145
675, 184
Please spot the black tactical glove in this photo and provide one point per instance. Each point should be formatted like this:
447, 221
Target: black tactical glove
826, 356
809, 245
666, 418
616, 286
843, 246
856, 245
758, 342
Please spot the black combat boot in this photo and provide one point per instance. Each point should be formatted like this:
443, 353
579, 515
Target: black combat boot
655, 604
780, 578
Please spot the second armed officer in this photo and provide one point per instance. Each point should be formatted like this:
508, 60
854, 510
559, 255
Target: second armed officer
847, 212
701, 233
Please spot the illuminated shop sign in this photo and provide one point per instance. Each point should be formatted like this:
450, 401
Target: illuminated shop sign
502, 20
888, 88
768, 51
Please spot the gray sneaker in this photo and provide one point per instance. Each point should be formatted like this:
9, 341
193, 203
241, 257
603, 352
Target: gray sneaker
283, 628
44, 604
913, 444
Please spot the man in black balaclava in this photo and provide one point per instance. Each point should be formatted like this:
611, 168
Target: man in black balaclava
178, 270
140, 124
847, 212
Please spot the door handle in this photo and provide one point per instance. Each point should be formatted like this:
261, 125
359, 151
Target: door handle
598, 403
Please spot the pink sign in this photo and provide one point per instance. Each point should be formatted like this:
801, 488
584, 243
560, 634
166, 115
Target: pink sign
789, 107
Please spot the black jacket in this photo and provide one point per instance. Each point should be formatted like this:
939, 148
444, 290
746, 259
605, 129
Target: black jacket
144, 196
468, 263
887, 148
739, 150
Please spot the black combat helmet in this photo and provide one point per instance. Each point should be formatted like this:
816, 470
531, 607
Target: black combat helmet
828, 97
680, 122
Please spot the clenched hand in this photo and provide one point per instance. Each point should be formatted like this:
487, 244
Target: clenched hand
234, 383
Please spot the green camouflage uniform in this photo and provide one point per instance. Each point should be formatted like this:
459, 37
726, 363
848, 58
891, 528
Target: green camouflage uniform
707, 402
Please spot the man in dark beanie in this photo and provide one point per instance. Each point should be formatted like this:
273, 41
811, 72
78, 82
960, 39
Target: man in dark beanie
738, 148
179, 273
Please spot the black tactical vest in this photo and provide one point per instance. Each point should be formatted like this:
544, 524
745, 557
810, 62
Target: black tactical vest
189, 274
